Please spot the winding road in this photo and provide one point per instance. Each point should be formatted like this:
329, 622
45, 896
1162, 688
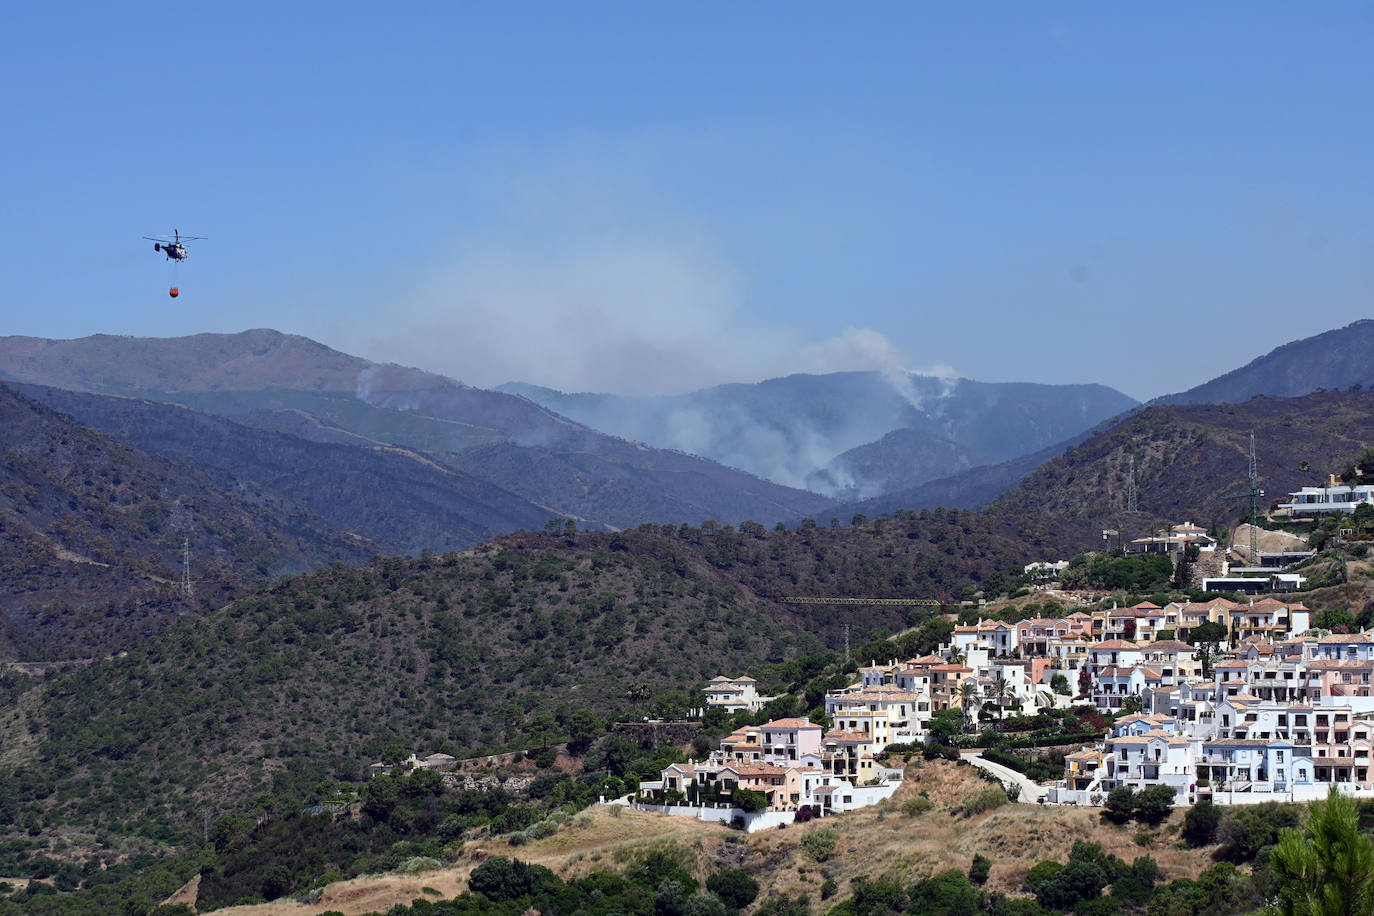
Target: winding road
1031, 791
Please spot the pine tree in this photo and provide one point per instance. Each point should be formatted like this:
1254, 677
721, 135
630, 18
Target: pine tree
1329, 870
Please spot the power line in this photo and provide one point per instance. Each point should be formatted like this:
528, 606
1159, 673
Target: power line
1130, 488
186, 590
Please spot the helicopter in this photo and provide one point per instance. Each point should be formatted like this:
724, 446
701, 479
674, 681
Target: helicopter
173, 247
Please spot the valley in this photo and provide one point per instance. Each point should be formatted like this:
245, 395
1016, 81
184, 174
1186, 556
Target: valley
421, 566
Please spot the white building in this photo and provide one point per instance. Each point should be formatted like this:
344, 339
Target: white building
1310, 502
734, 694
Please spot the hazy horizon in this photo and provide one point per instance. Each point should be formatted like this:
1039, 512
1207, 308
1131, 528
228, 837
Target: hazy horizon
653, 200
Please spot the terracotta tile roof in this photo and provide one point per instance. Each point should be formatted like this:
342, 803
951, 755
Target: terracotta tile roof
759, 769
1117, 644
789, 724
846, 737
1152, 735
1119, 671
889, 694
1170, 645
1246, 742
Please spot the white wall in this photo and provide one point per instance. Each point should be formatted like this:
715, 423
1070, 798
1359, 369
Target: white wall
761, 820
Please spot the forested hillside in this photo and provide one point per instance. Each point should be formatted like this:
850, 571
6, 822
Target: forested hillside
93, 531
1188, 459
464, 653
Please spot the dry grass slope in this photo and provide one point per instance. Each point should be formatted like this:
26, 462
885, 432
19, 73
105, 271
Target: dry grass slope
874, 842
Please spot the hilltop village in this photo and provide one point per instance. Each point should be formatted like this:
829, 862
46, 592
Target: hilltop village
1234, 699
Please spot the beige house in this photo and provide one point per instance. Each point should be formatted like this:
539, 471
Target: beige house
734, 694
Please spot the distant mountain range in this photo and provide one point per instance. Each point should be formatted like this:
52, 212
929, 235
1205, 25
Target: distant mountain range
971, 489
848, 434
1336, 360
269, 454
294, 385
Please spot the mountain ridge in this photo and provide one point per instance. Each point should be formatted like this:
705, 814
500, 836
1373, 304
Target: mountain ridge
817, 430
567, 467
1339, 358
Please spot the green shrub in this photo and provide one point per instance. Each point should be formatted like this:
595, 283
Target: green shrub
948, 892
1246, 829
1200, 823
1040, 873
978, 870
1152, 805
918, 805
1079, 880
749, 801
820, 844
734, 887
986, 800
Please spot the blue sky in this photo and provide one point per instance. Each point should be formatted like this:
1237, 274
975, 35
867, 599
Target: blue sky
648, 198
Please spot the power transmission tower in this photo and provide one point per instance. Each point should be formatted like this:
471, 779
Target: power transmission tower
1253, 493
1130, 487
846, 644
186, 590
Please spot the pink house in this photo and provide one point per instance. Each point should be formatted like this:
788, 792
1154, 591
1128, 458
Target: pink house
789, 739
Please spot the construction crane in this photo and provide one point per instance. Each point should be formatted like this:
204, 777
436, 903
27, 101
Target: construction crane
1254, 494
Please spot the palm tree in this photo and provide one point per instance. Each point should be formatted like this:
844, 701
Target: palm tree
1002, 689
968, 696
638, 694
